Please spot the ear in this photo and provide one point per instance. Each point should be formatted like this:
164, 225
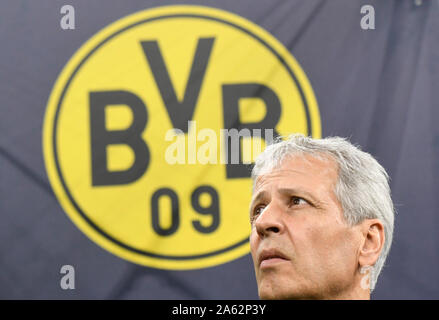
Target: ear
373, 241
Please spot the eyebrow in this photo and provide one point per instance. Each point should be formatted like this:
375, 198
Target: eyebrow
286, 191
258, 197
298, 191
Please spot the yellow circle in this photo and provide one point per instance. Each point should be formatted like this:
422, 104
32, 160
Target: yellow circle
170, 216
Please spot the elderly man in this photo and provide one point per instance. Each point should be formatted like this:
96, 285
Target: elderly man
322, 220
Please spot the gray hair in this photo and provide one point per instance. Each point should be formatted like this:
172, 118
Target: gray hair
362, 187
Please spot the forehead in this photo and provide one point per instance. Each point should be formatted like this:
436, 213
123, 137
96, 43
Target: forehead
301, 171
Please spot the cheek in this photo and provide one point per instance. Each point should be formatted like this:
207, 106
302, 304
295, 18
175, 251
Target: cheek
254, 242
335, 250
326, 243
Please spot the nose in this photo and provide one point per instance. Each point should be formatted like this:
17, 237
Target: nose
269, 222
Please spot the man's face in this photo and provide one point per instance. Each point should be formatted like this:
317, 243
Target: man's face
300, 244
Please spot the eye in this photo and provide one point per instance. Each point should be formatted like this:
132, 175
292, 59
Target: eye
259, 210
256, 212
295, 201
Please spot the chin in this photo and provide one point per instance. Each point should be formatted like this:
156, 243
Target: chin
276, 295
271, 291
288, 295
270, 296
276, 292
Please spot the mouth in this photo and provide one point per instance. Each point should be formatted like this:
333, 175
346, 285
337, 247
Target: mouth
270, 257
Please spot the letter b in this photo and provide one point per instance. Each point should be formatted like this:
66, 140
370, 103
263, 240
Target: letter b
101, 137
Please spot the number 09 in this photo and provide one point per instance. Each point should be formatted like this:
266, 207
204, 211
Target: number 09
212, 209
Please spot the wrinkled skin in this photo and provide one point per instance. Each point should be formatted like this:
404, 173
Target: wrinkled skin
294, 210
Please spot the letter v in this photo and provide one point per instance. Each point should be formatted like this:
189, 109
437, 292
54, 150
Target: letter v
180, 112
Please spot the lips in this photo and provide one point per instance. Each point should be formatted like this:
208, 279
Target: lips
271, 256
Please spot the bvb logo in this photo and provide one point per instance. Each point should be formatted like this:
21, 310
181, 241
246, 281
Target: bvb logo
109, 111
